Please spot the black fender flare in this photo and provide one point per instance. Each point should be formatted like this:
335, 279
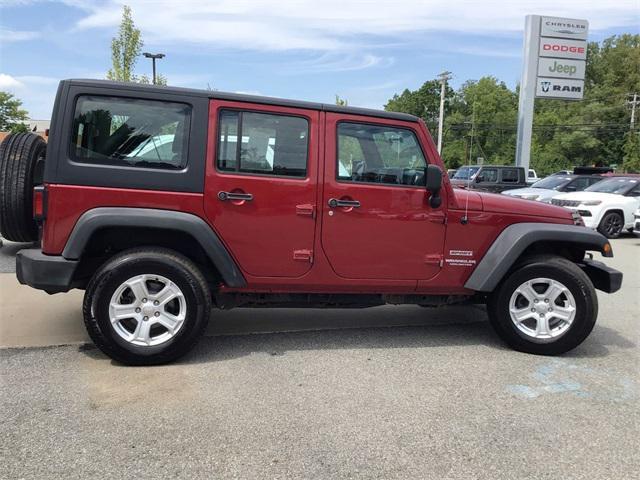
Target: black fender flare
513, 240
98, 218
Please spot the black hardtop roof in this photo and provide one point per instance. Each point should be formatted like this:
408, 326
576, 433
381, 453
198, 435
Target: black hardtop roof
241, 97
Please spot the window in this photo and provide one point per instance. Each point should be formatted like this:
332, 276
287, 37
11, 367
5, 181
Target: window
580, 183
488, 175
377, 154
510, 175
269, 144
130, 132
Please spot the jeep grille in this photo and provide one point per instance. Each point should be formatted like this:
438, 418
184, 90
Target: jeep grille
565, 203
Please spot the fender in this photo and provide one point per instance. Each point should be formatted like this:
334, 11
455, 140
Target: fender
509, 245
98, 218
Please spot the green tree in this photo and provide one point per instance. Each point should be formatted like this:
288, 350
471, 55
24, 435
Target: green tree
631, 159
12, 115
341, 102
125, 50
423, 102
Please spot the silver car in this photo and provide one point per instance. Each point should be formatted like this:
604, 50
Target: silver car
547, 188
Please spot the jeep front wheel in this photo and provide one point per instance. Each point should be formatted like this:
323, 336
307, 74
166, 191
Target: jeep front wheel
146, 306
547, 306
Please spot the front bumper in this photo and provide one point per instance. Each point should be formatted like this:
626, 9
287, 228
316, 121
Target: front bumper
51, 273
603, 277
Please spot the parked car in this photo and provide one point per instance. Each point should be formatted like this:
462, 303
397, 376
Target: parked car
490, 178
607, 206
263, 202
636, 222
532, 177
563, 172
554, 185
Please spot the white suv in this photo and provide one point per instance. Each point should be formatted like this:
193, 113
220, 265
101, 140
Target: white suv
636, 222
607, 206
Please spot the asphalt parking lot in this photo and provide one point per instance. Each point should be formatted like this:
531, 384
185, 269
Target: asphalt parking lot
391, 392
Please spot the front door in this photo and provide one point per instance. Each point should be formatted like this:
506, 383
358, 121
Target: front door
377, 222
261, 185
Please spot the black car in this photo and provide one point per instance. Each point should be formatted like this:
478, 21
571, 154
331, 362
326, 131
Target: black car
490, 178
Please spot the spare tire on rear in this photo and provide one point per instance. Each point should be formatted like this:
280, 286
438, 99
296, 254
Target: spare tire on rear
21, 165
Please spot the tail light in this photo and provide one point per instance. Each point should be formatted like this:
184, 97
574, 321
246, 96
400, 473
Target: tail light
39, 203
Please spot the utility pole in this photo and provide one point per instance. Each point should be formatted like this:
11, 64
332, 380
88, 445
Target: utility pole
153, 57
443, 77
633, 104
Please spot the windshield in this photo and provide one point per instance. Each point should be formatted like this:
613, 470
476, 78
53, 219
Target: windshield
552, 183
465, 173
613, 185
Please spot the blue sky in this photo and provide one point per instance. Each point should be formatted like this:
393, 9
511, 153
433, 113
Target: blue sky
364, 51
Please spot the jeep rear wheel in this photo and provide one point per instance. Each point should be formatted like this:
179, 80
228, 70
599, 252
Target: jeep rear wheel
547, 306
147, 306
611, 225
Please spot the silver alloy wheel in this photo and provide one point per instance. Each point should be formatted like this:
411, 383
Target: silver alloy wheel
542, 309
147, 310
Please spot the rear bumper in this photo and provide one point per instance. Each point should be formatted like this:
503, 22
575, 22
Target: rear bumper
603, 277
51, 273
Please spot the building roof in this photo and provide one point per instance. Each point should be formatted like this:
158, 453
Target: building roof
241, 97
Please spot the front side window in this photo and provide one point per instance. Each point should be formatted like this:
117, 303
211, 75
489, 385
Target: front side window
466, 173
379, 154
262, 143
620, 185
130, 132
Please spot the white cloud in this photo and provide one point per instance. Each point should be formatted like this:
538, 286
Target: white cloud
337, 24
9, 36
7, 82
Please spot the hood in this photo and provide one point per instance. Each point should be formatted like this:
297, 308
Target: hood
541, 193
468, 199
497, 203
590, 196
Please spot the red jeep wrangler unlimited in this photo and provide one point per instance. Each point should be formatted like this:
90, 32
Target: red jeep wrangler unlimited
163, 202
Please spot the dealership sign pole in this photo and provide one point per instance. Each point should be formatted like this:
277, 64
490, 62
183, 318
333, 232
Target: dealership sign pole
555, 53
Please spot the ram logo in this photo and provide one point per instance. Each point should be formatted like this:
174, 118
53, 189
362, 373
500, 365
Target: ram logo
545, 86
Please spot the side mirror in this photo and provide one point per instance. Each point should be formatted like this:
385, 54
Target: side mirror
478, 179
433, 183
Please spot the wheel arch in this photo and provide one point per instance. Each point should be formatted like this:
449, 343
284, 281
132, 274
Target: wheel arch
106, 230
524, 239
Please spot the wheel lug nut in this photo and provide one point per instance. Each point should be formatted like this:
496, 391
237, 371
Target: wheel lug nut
533, 309
546, 300
542, 314
535, 301
137, 309
147, 318
157, 314
144, 300
550, 309
156, 302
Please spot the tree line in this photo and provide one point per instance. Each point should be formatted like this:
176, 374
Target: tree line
481, 116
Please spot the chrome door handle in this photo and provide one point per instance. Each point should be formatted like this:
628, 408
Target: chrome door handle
334, 202
224, 196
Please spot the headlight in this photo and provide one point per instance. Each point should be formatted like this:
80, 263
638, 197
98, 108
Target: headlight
591, 202
530, 197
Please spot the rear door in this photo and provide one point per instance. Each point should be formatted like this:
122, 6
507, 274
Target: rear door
261, 185
376, 221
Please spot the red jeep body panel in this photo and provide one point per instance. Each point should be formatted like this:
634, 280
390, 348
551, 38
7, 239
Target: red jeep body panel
287, 239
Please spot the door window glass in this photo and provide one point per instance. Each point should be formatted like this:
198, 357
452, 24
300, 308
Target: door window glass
489, 175
379, 154
269, 144
510, 175
130, 132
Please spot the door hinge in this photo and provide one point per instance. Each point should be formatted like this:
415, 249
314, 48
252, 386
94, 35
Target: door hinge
303, 255
434, 259
306, 209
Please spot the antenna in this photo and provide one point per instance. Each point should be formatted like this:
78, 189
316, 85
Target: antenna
464, 220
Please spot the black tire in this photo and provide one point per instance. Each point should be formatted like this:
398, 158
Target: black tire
21, 158
611, 225
554, 268
155, 261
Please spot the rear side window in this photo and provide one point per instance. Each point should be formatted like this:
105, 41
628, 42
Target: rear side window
489, 175
510, 175
262, 143
130, 132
